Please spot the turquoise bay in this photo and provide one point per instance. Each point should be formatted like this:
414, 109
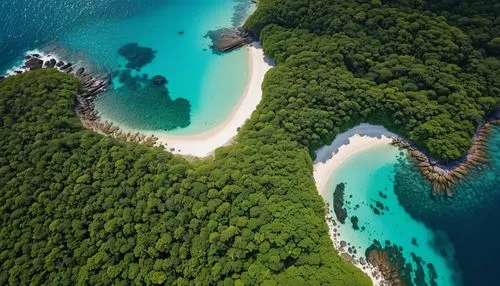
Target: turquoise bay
211, 83
369, 196
393, 203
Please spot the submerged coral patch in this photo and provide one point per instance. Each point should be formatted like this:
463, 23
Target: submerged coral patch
145, 102
338, 203
136, 55
140, 102
395, 269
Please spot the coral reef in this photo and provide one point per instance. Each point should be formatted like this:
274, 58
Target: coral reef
391, 264
380, 259
136, 55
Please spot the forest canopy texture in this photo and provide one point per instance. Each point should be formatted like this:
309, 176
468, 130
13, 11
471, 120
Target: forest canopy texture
428, 70
80, 208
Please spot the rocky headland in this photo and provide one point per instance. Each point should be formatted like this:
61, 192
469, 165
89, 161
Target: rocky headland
444, 176
92, 86
228, 39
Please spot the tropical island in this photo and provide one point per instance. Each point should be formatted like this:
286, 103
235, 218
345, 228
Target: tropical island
77, 206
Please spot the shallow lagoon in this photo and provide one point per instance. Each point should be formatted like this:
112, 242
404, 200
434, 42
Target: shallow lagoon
369, 196
393, 202
92, 33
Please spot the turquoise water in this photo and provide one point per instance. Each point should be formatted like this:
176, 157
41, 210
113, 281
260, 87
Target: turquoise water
470, 219
369, 195
203, 87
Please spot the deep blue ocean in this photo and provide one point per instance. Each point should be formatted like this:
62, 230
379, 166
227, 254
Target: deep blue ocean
470, 220
29, 24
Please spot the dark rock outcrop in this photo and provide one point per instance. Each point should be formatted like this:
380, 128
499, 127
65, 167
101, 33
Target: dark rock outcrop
225, 40
60, 64
66, 66
444, 177
79, 72
159, 80
33, 64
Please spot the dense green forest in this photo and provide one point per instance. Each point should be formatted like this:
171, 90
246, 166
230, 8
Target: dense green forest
427, 70
78, 207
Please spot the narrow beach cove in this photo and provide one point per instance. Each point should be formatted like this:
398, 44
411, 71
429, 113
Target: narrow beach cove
383, 200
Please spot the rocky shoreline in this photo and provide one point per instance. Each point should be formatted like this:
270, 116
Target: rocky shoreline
92, 86
350, 253
444, 176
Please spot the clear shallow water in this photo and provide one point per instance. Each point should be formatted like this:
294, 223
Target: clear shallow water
471, 219
203, 87
459, 236
369, 196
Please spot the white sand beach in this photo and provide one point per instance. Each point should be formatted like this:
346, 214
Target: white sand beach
328, 158
205, 143
345, 145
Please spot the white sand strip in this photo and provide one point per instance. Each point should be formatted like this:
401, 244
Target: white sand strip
344, 146
205, 143
328, 158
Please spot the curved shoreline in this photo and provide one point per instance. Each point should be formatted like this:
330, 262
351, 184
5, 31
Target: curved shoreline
345, 145
364, 137
444, 176
204, 144
330, 157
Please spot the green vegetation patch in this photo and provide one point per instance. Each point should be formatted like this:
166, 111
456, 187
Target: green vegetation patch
425, 76
78, 207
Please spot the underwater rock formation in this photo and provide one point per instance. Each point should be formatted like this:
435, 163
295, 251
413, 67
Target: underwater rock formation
136, 55
142, 102
444, 176
92, 86
392, 265
159, 80
380, 259
338, 203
